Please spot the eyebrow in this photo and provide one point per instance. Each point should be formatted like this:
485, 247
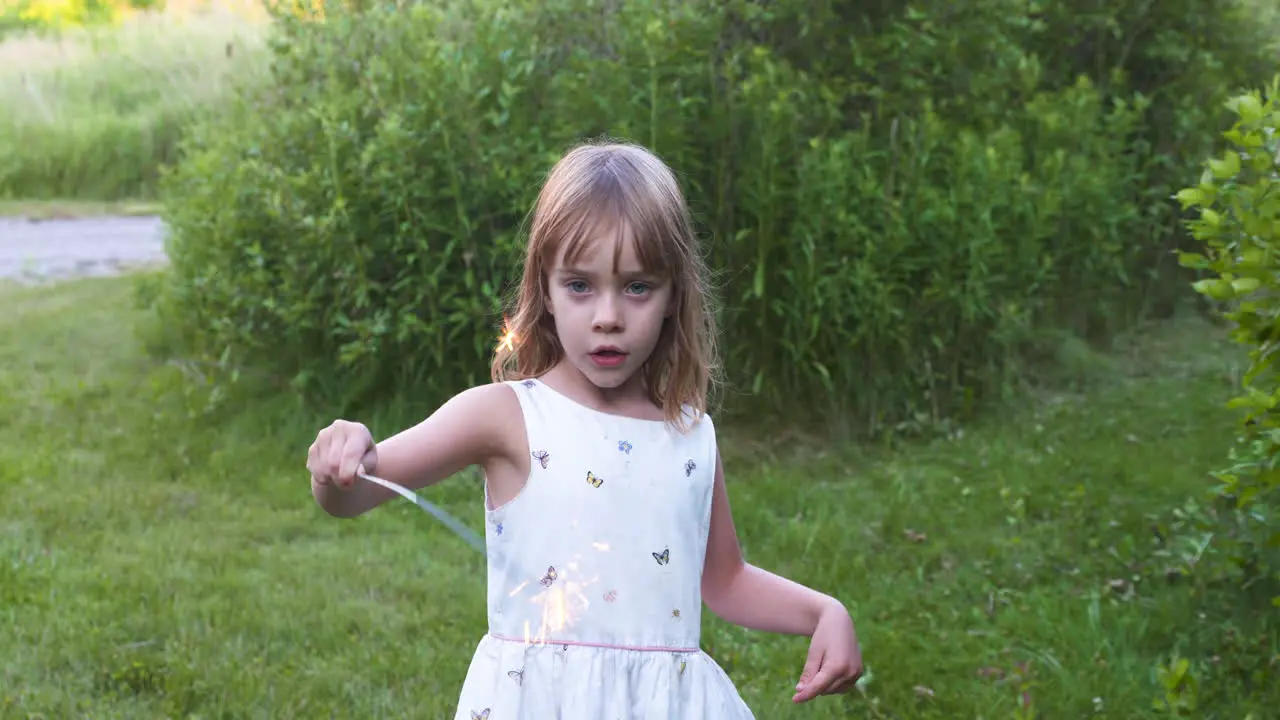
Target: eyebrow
586, 273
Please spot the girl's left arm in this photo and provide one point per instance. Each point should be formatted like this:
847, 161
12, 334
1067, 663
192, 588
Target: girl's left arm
753, 598
747, 595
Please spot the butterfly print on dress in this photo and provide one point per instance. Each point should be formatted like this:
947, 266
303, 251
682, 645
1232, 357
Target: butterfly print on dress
542, 456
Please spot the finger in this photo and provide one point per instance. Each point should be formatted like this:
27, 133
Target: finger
843, 684
352, 451
315, 463
369, 463
812, 662
333, 461
856, 674
818, 685
311, 459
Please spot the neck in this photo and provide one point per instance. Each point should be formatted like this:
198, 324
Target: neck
631, 394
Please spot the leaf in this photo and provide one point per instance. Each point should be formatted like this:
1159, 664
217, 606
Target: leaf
1192, 196
1227, 167
1245, 285
1193, 260
1249, 107
826, 375
1216, 288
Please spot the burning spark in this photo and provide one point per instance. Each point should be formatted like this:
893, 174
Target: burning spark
507, 340
562, 602
557, 611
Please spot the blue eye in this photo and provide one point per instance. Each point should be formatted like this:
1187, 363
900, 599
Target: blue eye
638, 288
577, 286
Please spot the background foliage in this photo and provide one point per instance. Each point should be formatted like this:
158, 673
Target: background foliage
907, 203
910, 207
1238, 203
61, 14
92, 111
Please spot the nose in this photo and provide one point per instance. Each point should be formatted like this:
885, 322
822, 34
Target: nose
608, 315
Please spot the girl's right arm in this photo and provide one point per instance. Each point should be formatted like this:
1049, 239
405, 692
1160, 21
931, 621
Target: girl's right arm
467, 430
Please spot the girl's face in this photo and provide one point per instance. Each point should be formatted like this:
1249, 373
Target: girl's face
608, 322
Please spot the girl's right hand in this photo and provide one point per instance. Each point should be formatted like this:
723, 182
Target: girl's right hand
339, 452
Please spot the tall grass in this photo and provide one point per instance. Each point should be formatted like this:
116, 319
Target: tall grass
92, 113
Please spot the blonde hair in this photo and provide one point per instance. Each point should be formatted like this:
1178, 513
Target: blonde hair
626, 187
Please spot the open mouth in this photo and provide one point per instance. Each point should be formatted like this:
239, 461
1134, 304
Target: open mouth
608, 356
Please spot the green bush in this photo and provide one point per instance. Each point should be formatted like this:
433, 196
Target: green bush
902, 200
1237, 200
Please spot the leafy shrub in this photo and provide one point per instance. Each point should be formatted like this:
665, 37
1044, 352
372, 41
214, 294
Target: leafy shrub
1237, 200
899, 198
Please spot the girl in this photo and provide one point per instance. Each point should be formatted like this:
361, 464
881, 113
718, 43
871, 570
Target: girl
607, 518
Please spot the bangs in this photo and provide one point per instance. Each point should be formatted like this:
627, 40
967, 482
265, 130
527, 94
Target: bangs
621, 193
609, 209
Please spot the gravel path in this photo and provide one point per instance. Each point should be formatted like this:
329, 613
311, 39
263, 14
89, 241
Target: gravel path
39, 251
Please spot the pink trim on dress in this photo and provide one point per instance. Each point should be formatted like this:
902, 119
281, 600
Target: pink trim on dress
607, 646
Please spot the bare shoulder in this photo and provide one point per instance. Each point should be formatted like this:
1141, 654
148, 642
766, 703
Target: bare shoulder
491, 396
474, 427
493, 414
495, 405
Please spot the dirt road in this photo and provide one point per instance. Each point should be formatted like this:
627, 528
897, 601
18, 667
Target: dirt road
50, 250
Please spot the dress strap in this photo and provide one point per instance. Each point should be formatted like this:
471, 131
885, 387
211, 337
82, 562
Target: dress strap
539, 415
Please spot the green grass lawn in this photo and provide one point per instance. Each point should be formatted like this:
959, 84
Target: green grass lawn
160, 557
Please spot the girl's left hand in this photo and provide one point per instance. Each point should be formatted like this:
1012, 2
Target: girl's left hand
835, 660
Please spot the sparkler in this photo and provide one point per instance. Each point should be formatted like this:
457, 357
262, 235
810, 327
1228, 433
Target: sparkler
464, 532
507, 340
562, 601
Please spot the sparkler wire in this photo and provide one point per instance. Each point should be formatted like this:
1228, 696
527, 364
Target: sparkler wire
464, 532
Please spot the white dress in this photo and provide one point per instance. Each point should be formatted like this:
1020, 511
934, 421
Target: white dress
595, 567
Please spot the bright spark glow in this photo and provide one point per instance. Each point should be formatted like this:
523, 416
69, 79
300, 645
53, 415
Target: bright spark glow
507, 340
562, 602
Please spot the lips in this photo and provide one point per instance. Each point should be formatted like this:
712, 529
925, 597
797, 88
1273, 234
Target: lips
608, 355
